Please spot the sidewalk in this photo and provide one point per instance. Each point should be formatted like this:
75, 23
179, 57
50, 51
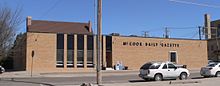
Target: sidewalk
24, 74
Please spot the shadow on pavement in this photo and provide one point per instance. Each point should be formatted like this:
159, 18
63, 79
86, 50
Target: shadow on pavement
197, 78
149, 80
12, 80
133, 81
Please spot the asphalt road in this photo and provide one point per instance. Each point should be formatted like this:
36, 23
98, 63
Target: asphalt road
60, 81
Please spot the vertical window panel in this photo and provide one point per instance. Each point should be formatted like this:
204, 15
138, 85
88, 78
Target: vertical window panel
90, 51
60, 50
80, 50
70, 50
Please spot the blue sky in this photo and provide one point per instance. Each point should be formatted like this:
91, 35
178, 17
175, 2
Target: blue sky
127, 17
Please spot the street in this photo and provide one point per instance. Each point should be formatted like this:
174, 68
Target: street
62, 81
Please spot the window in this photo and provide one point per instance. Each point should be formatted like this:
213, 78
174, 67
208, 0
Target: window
150, 65
165, 66
212, 47
60, 50
70, 50
146, 66
80, 50
171, 66
108, 43
154, 66
218, 34
212, 65
173, 57
90, 51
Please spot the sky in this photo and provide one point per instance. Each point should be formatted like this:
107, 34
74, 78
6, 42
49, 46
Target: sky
126, 17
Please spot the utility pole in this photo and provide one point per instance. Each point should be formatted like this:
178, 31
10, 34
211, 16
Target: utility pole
207, 24
200, 33
99, 42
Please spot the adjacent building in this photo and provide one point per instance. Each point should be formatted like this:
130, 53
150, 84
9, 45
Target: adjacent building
214, 41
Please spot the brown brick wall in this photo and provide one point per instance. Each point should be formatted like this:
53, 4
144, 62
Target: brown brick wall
44, 60
193, 53
44, 46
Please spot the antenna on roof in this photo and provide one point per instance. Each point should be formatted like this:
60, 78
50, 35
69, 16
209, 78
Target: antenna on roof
146, 33
166, 35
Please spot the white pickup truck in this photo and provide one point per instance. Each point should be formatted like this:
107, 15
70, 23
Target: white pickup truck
162, 70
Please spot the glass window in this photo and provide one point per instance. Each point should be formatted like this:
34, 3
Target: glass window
212, 65
151, 66
60, 50
173, 57
108, 43
171, 66
80, 50
165, 66
212, 47
70, 50
90, 51
218, 31
146, 66
154, 66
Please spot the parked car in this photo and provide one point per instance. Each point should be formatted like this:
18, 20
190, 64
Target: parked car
162, 70
2, 70
212, 69
212, 61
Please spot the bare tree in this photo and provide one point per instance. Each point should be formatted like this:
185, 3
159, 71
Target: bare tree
9, 22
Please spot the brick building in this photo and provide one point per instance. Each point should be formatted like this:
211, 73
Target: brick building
214, 41
71, 47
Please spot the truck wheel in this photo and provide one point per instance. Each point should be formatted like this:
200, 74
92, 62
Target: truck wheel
217, 74
183, 76
158, 77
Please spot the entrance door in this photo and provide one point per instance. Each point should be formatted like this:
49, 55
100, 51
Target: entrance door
109, 59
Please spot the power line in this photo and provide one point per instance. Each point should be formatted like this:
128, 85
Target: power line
172, 28
182, 27
51, 8
194, 35
193, 3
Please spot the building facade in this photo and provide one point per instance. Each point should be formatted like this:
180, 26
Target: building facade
135, 51
71, 47
214, 41
215, 26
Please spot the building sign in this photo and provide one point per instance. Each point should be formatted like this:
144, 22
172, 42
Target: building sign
150, 44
